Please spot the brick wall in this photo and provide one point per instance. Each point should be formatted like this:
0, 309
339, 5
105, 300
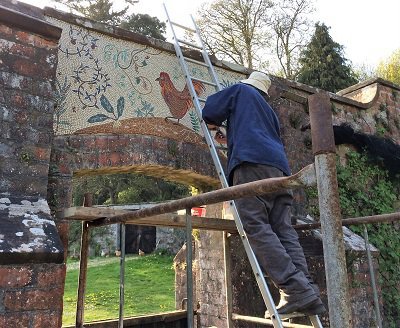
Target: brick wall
31, 255
31, 295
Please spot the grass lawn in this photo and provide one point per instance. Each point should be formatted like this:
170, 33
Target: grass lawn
149, 287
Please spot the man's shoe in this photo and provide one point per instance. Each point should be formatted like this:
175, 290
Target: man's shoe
316, 308
311, 306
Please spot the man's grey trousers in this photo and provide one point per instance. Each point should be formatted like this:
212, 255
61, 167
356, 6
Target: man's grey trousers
266, 221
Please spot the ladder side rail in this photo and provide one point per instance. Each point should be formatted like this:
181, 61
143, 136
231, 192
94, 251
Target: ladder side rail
315, 321
250, 254
206, 57
197, 106
266, 294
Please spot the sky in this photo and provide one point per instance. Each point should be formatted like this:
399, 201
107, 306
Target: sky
369, 30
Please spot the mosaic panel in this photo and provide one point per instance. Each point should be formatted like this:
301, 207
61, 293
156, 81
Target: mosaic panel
103, 81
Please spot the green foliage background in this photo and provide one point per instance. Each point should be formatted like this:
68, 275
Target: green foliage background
118, 189
323, 64
366, 189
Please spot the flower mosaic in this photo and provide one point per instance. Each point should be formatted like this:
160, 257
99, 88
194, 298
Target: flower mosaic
103, 80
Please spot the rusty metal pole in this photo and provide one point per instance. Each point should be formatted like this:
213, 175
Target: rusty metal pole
373, 281
330, 215
189, 269
83, 262
122, 231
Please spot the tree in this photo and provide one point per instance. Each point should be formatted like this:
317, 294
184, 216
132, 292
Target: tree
364, 72
389, 69
145, 25
244, 31
235, 29
323, 64
125, 189
102, 11
98, 10
290, 24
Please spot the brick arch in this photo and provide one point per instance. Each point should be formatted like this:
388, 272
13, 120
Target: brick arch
93, 154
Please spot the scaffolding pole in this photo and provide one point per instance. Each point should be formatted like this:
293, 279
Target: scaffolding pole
330, 216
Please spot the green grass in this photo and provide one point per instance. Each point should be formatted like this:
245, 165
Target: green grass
149, 287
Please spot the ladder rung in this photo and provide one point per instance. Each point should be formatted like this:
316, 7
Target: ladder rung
204, 81
290, 316
195, 62
189, 44
266, 321
184, 27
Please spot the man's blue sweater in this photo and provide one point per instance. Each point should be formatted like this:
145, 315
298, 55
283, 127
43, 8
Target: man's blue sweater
252, 127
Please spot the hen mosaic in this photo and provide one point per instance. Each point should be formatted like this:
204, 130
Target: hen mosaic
103, 80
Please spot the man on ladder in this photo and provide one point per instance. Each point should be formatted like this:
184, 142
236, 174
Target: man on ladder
255, 151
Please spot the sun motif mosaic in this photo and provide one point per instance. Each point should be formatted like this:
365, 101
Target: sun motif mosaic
103, 80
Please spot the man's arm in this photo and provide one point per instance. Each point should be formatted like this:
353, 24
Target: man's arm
218, 107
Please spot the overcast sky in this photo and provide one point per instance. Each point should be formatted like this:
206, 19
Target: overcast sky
369, 30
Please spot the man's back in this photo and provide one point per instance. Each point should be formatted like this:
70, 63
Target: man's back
252, 127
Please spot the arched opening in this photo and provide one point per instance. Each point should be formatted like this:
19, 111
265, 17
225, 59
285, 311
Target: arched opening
147, 169
150, 250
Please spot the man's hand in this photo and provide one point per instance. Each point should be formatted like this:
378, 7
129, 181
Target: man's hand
220, 137
212, 127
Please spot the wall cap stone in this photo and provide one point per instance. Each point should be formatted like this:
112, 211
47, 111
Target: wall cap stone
27, 18
28, 232
368, 83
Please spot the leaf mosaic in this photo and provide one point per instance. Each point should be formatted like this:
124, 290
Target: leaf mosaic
101, 79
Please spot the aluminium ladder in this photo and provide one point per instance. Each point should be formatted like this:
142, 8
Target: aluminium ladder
267, 297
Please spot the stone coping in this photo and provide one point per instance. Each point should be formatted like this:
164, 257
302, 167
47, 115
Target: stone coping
366, 83
24, 17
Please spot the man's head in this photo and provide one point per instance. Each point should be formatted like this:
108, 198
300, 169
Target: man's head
258, 80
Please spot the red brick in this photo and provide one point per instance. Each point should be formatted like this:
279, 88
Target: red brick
11, 277
103, 160
15, 320
5, 30
115, 158
22, 50
51, 276
46, 44
50, 320
25, 37
33, 299
21, 118
27, 67
64, 168
101, 143
42, 153
63, 230
18, 100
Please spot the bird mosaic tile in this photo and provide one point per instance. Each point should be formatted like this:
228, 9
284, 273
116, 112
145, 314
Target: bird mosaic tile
110, 85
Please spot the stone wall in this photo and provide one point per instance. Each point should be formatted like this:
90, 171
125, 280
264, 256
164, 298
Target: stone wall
31, 254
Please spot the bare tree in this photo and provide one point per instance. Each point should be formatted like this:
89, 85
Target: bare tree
253, 32
291, 25
235, 29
